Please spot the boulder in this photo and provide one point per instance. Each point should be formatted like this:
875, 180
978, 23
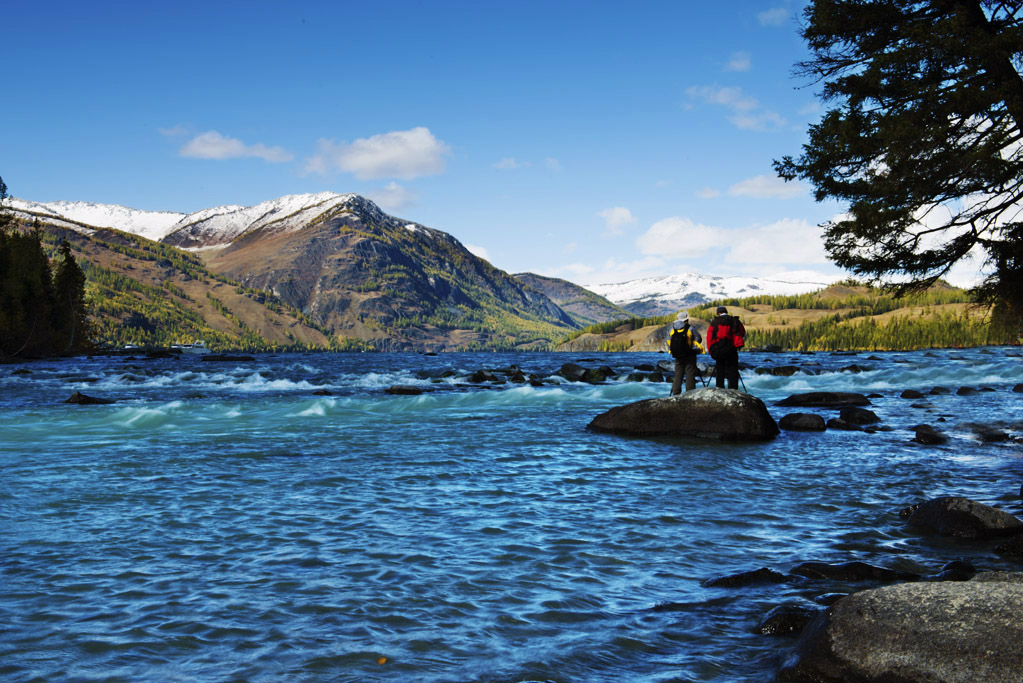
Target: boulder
802, 422
839, 424
929, 436
83, 400
963, 518
948, 631
858, 416
911, 393
726, 414
965, 391
825, 399
572, 371
1018, 388
778, 371
1012, 549
481, 376
956, 570
940, 391
785, 619
404, 390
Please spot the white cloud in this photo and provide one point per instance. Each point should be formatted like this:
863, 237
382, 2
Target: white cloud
810, 109
511, 163
739, 61
570, 270
761, 121
394, 197
767, 187
788, 240
213, 145
708, 193
478, 251
773, 17
404, 154
613, 270
552, 163
677, 237
746, 111
733, 98
615, 219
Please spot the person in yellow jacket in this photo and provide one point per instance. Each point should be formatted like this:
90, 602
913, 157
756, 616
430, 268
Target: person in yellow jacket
684, 345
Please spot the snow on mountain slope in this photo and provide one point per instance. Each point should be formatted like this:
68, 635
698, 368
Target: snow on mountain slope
660, 295
213, 227
153, 225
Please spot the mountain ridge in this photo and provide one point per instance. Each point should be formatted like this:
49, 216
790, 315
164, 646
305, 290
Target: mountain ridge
670, 293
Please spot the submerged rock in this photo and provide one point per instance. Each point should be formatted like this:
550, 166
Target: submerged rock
750, 578
825, 399
963, 518
726, 414
851, 571
945, 631
83, 400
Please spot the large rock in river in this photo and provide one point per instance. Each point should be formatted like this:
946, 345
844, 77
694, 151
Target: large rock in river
946, 631
714, 413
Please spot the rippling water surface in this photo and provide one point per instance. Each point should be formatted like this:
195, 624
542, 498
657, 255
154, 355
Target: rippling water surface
220, 521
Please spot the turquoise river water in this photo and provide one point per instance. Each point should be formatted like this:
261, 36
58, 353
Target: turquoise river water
222, 522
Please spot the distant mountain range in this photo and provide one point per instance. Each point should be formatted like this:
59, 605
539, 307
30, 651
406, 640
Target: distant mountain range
668, 294
352, 272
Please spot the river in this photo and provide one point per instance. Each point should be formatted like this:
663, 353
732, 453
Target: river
221, 521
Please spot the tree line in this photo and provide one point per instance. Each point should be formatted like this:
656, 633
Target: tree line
43, 309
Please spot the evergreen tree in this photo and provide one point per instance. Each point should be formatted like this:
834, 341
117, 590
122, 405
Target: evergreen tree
923, 140
70, 310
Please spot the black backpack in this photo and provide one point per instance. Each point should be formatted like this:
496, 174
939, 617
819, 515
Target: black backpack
680, 346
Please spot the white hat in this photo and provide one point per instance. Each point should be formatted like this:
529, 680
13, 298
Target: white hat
683, 316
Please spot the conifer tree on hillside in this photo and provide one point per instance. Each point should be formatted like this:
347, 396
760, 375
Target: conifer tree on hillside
41, 313
923, 140
70, 309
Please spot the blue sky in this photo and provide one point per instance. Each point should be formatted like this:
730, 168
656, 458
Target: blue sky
594, 141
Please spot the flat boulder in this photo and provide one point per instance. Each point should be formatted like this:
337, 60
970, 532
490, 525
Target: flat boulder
726, 414
802, 422
963, 518
825, 399
946, 631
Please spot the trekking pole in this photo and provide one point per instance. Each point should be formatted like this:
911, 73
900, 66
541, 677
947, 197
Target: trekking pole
739, 375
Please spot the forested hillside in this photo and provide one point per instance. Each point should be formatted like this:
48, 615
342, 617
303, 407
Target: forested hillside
845, 316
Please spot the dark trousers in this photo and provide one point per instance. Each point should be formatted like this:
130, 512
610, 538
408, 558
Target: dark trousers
687, 367
727, 369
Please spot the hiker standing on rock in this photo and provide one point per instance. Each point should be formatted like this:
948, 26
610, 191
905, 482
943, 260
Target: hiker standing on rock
684, 344
725, 336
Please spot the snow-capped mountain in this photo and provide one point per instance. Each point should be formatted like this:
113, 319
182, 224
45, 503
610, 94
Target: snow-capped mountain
205, 228
152, 225
663, 295
219, 226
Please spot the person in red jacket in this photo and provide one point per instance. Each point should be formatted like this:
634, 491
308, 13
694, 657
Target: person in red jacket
725, 336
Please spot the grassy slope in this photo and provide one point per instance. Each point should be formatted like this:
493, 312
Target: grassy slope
146, 293
844, 301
